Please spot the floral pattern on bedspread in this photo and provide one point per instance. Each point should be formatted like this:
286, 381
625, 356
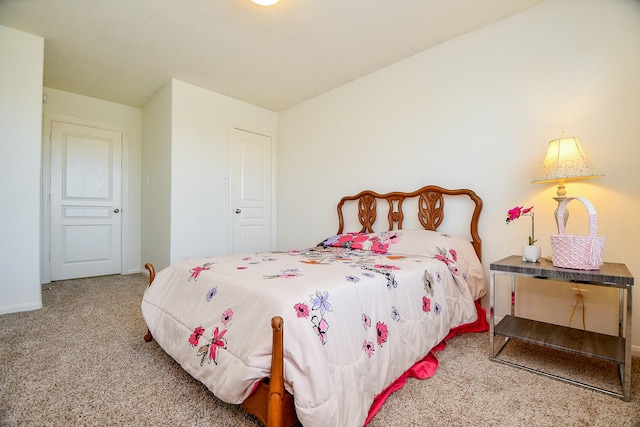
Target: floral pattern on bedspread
354, 321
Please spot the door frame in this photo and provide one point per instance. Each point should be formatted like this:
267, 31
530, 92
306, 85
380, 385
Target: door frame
45, 189
274, 191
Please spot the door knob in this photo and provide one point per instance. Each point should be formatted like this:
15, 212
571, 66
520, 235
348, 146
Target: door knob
116, 210
238, 211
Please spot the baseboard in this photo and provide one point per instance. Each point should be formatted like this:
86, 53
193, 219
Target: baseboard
6, 309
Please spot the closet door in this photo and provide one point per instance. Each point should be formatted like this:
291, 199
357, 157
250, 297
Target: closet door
251, 192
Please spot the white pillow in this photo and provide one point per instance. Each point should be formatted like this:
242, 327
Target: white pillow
456, 252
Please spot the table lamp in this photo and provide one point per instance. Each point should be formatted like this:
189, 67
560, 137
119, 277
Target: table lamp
565, 160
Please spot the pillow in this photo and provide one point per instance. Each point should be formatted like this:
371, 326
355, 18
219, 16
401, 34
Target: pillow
426, 243
407, 242
375, 242
456, 252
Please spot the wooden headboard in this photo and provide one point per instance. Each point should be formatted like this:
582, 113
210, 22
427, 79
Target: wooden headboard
430, 210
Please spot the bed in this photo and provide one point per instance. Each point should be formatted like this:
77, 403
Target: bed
362, 310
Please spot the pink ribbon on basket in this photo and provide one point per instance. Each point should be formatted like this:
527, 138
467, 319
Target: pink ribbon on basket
595, 253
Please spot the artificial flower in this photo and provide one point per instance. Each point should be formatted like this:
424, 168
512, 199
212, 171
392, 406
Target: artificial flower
519, 211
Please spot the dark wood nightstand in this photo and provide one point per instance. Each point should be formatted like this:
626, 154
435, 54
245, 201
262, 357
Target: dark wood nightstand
616, 349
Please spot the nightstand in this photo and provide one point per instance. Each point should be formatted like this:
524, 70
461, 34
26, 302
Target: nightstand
616, 349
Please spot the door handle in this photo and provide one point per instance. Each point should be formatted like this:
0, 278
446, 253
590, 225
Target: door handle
238, 211
116, 210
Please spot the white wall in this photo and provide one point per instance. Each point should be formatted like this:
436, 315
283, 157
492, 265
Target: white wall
478, 112
129, 119
198, 175
20, 149
474, 112
156, 177
201, 123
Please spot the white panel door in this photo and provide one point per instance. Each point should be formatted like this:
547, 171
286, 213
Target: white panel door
251, 192
85, 201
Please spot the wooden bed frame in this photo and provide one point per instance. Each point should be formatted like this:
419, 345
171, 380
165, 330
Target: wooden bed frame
270, 402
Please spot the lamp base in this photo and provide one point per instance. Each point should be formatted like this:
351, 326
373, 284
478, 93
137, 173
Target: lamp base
564, 218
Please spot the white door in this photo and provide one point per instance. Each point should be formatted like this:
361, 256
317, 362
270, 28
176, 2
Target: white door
85, 201
251, 192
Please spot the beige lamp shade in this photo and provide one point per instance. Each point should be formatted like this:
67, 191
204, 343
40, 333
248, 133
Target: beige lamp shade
265, 2
565, 160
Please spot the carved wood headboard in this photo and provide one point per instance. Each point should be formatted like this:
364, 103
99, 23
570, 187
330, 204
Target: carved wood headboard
431, 202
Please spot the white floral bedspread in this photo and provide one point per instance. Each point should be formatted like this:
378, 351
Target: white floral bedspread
354, 320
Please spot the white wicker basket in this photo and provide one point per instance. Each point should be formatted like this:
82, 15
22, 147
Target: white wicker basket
577, 252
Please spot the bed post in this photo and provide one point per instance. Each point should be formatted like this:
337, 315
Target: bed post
152, 275
270, 402
275, 417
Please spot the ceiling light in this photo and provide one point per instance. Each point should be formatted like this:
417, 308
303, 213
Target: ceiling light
265, 2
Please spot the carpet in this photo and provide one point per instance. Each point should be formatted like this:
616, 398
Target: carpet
81, 361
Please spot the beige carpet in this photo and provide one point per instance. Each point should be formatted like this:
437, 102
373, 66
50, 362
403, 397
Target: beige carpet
81, 361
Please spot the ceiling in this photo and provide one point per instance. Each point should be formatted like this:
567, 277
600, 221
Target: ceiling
274, 57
